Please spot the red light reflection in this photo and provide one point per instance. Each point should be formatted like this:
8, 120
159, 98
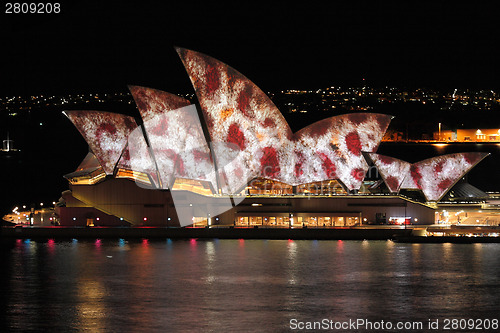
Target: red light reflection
51, 245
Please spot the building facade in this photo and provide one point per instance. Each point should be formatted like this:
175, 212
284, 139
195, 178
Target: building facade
469, 135
234, 161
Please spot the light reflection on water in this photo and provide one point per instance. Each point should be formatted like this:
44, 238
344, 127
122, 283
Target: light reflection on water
240, 285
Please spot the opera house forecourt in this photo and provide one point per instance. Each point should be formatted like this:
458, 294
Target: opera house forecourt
232, 160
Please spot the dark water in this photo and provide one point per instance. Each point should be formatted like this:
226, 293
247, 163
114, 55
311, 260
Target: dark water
240, 285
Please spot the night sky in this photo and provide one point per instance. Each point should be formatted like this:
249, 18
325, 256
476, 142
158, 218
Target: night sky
95, 47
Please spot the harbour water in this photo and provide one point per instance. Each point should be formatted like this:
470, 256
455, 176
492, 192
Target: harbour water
242, 285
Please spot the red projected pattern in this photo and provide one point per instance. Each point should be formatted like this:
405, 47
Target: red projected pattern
332, 148
137, 157
250, 138
239, 113
176, 137
434, 176
392, 170
106, 134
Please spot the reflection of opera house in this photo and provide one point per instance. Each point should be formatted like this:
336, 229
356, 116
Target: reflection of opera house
233, 160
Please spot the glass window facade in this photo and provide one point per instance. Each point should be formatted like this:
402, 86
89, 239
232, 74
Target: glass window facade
298, 220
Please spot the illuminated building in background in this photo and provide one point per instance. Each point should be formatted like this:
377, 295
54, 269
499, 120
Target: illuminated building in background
469, 135
236, 162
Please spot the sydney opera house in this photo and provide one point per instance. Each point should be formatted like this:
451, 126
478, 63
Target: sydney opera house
232, 160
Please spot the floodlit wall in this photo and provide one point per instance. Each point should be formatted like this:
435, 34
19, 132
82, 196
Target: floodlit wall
123, 199
87, 216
